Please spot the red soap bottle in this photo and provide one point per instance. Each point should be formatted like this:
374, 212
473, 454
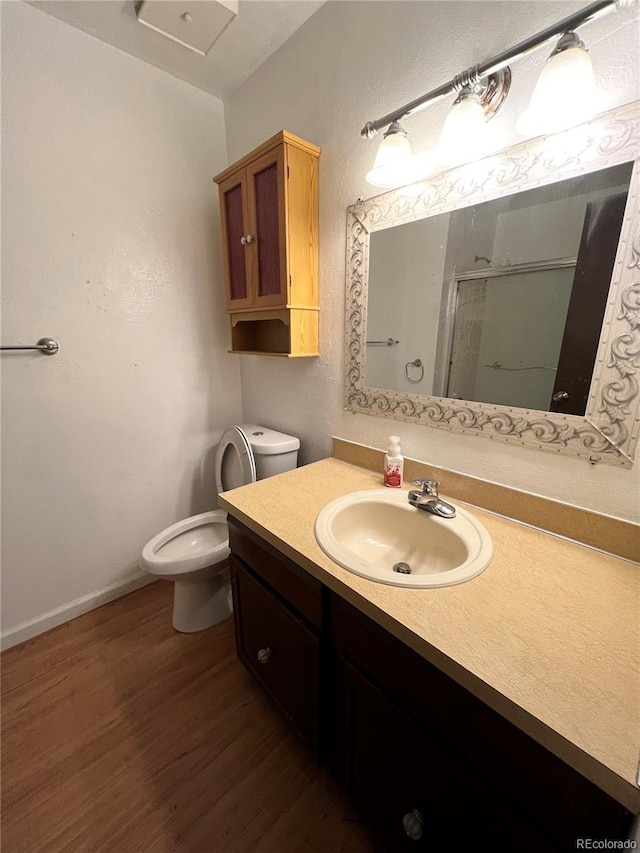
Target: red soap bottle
393, 463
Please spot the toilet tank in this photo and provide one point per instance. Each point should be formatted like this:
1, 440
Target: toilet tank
274, 452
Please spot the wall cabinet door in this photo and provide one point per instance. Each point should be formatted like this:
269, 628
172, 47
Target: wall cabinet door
235, 228
254, 234
267, 256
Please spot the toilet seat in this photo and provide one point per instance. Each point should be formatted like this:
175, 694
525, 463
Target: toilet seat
191, 544
194, 552
235, 465
202, 541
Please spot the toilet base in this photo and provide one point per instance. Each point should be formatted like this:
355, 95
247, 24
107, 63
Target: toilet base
200, 604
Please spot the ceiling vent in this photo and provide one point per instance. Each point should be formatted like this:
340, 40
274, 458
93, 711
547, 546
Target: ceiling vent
196, 25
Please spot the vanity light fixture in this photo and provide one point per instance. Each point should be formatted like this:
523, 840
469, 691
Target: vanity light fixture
465, 135
393, 165
465, 121
565, 93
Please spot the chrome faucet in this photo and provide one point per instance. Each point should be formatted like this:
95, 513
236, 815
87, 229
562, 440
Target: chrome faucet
429, 500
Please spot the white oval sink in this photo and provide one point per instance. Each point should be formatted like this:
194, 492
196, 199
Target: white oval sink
368, 533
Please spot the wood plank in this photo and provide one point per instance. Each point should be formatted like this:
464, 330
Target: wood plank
119, 734
303, 226
281, 314
304, 333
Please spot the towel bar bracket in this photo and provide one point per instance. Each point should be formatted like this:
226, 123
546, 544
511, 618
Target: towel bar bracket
47, 346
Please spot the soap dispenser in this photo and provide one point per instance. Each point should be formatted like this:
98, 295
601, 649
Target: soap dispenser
393, 463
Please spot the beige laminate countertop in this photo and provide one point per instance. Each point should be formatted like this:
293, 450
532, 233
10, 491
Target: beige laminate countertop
548, 635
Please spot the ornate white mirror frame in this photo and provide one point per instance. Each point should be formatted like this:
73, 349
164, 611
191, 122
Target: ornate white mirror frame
609, 430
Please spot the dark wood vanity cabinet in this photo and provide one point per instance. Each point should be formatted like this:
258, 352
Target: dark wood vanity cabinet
429, 765
277, 614
280, 651
410, 787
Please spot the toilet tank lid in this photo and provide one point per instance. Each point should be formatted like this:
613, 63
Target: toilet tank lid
269, 442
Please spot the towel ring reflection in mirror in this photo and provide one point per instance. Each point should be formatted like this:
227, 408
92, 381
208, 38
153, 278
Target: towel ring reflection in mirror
417, 363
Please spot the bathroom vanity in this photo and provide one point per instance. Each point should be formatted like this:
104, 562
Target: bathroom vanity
436, 748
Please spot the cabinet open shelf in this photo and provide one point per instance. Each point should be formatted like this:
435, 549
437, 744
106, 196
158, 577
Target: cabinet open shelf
287, 332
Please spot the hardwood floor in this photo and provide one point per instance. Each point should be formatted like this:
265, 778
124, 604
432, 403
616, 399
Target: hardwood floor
121, 735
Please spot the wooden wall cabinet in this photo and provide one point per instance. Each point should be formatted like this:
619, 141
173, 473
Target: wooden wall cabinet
269, 218
429, 766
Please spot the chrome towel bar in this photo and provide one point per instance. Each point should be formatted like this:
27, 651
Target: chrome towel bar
47, 346
388, 343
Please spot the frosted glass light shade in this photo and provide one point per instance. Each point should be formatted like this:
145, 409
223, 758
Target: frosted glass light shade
465, 135
565, 94
393, 165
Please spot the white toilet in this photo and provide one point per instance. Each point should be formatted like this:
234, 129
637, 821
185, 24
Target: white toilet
193, 553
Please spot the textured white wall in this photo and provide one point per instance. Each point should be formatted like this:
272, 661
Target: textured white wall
110, 242
350, 63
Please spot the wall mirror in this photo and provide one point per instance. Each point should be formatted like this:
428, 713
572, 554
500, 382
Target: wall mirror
502, 298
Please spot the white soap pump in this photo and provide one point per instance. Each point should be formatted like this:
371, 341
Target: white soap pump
393, 463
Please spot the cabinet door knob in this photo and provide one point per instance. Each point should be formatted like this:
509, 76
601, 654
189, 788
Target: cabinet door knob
243, 240
249, 238
413, 823
264, 655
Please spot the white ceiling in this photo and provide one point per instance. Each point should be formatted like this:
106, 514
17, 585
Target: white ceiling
258, 30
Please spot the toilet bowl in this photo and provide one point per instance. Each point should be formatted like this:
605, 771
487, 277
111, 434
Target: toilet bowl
194, 552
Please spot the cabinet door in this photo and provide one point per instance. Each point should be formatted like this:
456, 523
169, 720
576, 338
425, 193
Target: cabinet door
278, 650
267, 255
413, 791
235, 228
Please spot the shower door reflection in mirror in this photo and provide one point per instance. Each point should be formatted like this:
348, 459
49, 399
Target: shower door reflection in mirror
501, 302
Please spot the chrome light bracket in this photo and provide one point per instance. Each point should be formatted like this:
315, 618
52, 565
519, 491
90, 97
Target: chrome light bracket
491, 91
395, 128
568, 40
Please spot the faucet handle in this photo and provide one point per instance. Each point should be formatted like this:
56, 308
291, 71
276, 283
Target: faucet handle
428, 485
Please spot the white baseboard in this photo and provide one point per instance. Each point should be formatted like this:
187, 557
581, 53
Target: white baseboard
27, 630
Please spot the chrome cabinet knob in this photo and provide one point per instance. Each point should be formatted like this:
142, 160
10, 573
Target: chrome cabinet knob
413, 823
264, 655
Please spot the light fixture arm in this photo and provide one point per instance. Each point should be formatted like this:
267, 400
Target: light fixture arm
472, 76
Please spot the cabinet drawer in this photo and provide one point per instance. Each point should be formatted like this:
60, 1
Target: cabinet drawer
560, 800
295, 585
278, 650
411, 788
